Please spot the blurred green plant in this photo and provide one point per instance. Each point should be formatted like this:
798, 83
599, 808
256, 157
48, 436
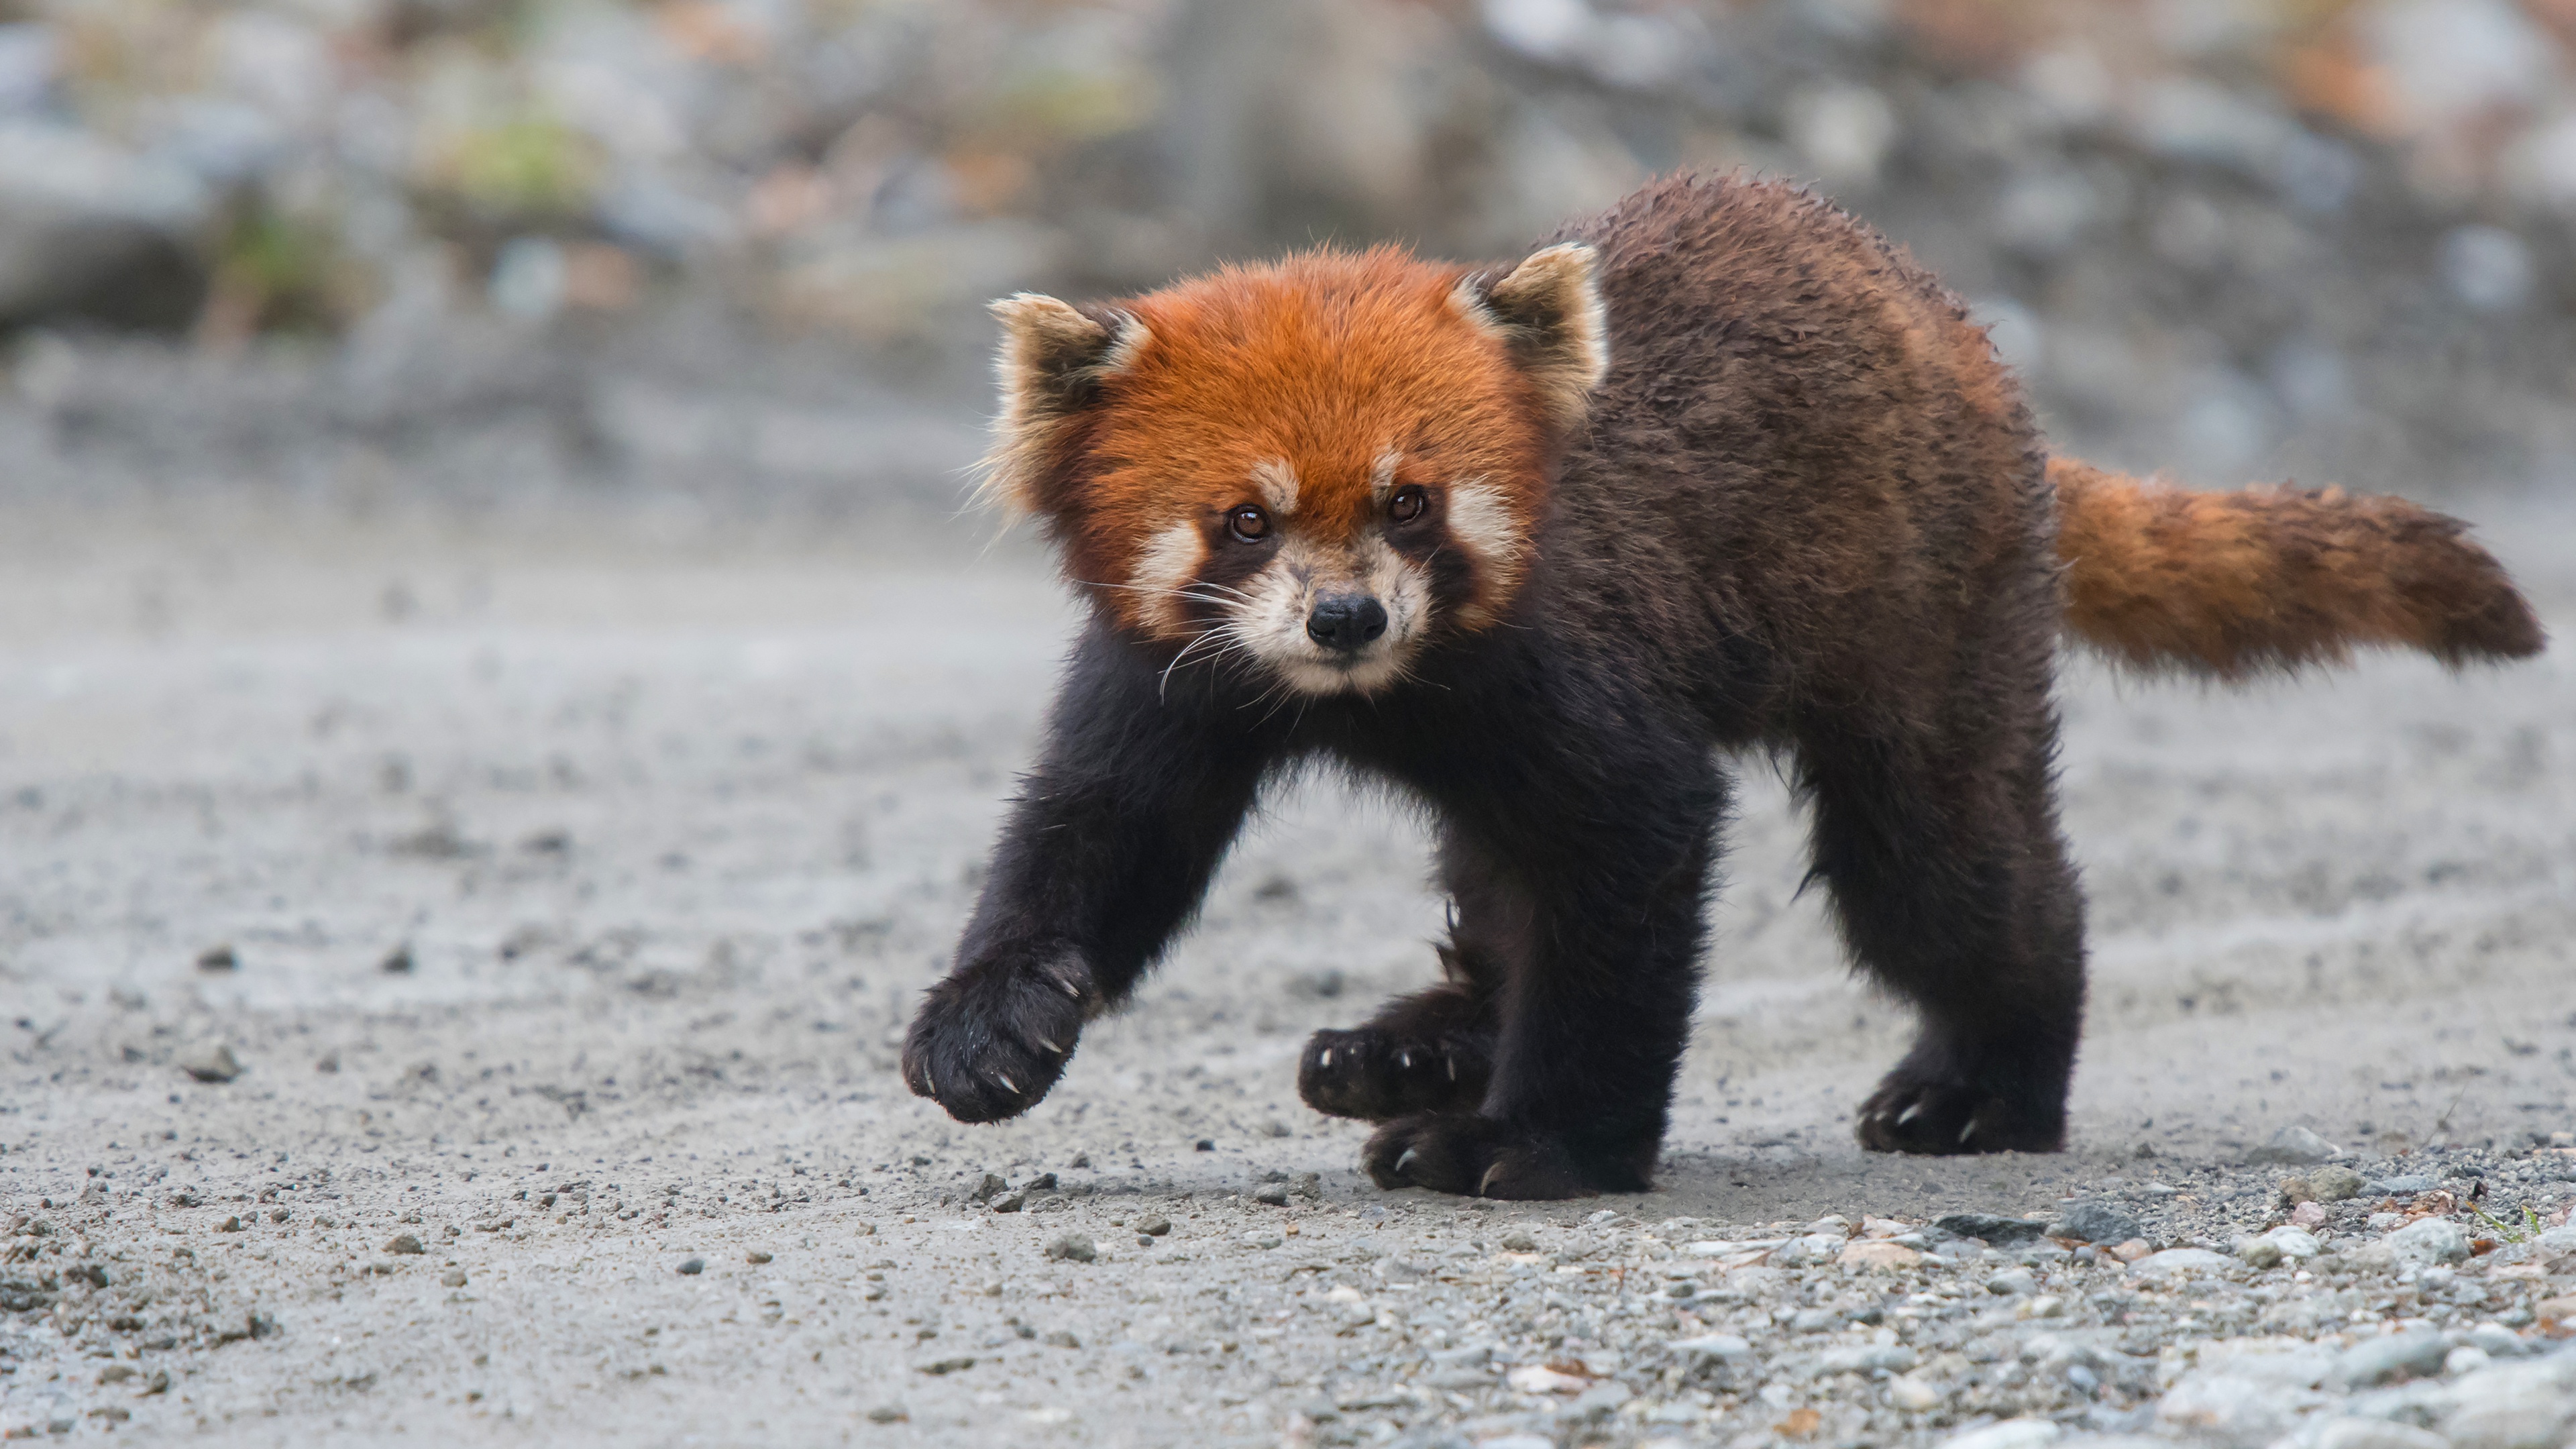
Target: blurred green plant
525, 170
280, 270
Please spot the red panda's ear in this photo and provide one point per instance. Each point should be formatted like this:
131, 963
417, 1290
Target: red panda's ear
1548, 312
1050, 366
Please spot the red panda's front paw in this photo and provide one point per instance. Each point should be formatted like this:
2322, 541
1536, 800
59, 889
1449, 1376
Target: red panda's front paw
991, 1039
1472, 1156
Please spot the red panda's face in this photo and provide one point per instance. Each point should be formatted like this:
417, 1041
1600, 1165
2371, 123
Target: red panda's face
1315, 467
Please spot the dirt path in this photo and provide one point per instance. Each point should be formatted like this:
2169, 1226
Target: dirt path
575, 879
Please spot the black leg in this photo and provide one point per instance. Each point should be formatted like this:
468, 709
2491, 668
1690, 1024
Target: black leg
1109, 849
1595, 1008
1951, 885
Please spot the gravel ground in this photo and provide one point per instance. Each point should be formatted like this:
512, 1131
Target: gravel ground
455, 967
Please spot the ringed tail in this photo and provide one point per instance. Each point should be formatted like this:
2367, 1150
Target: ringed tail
2231, 585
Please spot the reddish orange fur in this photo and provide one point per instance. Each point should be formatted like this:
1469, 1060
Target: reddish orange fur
2273, 578
1324, 360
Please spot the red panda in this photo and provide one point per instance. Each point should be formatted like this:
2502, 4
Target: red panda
1542, 545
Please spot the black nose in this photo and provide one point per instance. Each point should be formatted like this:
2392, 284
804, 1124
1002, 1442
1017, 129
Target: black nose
1346, 621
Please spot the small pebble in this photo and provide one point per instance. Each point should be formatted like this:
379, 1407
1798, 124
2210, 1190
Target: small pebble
397, 962
691, 1267
453, 1278
888, 1414
1153, 1225
2098, 1222
1205, 1144
218, 958
1518, 1240
1995, 1229
214, 1062
404, 1244
1072, 1247
755, 1257
1275, 1195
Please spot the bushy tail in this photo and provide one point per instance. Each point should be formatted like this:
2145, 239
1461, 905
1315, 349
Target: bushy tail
2234, 584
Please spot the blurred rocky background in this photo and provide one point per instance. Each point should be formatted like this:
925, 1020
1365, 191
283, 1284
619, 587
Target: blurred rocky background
735, 250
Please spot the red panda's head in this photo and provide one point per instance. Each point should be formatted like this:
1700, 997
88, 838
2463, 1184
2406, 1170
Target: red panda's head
1317, 465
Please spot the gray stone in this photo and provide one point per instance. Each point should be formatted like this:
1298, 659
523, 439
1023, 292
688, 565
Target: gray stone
2099, 1222
2530, 1405
2371, 1434
453, 1278
2010, 1434
1153, 1225
1072, 1247
1994, 1229
91, 230
2405, 1185
990, 1188
2296, 1146
2332, 1183
1009, 1202
1274, 1195
404, 1244
213, 1062
2233, 1410
1518, 1240
2392, 1358
692, 1267
1712, 1345
2430, 1240
1061, 1338
2498, 1341
2016, 1282
2183, 1261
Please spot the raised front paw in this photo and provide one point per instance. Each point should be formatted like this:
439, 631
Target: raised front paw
1948, 1119
1372, 1073
1472, 1156
991, 1039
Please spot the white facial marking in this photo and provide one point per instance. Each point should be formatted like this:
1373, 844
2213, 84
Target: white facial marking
1382, 475
1483, 525
1271, 625
1278, 484
1169, 562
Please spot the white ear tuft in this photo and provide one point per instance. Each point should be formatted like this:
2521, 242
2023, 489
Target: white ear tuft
1548, 312
1050, 364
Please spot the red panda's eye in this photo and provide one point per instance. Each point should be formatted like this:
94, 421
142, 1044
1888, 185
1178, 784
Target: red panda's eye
1248, 524
1407, 504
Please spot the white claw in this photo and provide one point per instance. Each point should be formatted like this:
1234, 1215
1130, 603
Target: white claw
1968, 1131
1453, 1068
1324, 1058
1006, 1082
1910, 1114
1404, 1060
1070, 989
1405, 1161
1050, 1046
1487, 1180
